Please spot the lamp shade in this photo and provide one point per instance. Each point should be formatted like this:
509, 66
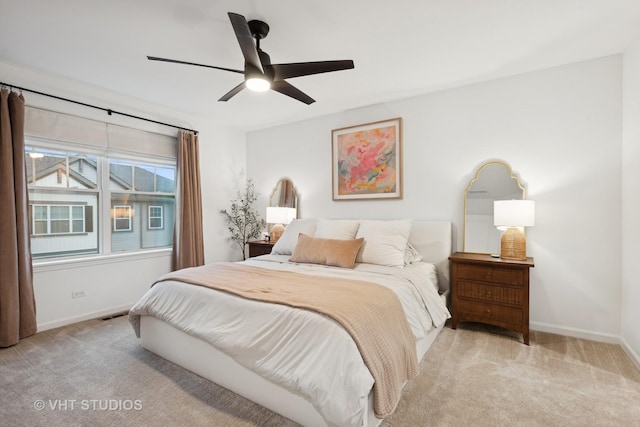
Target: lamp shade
278, 215
514, 213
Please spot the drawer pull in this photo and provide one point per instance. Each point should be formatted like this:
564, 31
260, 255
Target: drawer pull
487, 294
488, 275
488, 311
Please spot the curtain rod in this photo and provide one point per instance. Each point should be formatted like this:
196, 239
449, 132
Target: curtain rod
107, 110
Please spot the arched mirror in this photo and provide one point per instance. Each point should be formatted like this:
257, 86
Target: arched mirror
284, 195
493, 181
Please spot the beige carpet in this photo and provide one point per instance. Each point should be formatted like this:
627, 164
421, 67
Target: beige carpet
95, 374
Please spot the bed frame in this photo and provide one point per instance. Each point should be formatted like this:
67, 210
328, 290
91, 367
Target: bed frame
431, 238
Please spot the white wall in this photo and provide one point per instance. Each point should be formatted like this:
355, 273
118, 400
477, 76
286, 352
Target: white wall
559, 129
631, 201
70, 292
115, 283
222, 174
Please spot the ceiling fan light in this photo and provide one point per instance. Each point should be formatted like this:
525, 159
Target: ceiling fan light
258, 84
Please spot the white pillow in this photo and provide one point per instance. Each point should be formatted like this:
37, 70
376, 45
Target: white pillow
411, 255
288, 240
384, 241
343, 229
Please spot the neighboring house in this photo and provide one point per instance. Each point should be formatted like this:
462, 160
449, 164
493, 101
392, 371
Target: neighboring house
64, 203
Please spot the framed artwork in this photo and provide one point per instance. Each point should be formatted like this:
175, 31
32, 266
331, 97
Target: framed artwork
367, 161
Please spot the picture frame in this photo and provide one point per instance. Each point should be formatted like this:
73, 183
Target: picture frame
367, 161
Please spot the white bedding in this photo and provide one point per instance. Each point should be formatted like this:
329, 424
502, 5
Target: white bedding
290, 347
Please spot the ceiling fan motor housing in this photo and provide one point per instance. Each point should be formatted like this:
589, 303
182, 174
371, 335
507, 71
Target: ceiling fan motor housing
259, 29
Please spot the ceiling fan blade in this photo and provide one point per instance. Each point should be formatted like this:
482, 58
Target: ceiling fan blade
227, 96
155, 58
286, 89
243, 34
286, 71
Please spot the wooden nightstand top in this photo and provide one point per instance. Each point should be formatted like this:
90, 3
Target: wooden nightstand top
260, 242
471, 257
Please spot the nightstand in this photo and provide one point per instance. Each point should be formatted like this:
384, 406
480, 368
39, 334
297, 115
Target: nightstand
490, 290
259, 247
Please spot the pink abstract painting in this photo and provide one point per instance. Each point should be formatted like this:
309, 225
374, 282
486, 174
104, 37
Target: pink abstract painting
366, 161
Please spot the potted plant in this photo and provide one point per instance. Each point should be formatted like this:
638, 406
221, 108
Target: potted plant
243, 220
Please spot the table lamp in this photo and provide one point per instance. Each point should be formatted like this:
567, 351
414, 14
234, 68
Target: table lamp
513, 216
279, 216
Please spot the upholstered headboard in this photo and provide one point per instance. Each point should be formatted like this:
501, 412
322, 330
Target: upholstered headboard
433, 240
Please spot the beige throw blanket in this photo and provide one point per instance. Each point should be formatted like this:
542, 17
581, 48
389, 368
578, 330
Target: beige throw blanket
370, 313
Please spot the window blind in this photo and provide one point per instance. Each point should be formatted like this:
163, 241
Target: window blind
98, 137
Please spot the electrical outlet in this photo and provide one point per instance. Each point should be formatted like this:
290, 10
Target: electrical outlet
78, 294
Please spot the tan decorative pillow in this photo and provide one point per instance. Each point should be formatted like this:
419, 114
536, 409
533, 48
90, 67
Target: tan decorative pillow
336, 252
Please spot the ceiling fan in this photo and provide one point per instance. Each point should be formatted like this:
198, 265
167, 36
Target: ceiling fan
259, 73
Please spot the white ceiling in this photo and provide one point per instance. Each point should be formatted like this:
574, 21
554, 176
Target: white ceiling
400, 48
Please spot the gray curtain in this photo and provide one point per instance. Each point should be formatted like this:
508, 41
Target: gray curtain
17, 301
188, 244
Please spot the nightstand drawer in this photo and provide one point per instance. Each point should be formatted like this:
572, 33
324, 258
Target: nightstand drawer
492, 294
506, 317
259, 247
509, 276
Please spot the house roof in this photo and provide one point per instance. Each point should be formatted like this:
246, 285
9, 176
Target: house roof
120, 174
400, 48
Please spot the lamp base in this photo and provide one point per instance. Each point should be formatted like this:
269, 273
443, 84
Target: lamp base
513, 244
276, 232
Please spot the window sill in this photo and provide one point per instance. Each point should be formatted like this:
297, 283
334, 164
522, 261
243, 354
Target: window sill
84, 261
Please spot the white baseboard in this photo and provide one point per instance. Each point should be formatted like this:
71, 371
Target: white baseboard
635, 357
573, 332
589, 335
87, 316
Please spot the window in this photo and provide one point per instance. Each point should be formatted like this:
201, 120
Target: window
148, 190
64, 201
128, 201
155, 218
122, 218
58, 219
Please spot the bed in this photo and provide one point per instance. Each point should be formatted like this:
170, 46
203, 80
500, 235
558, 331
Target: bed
278, 355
